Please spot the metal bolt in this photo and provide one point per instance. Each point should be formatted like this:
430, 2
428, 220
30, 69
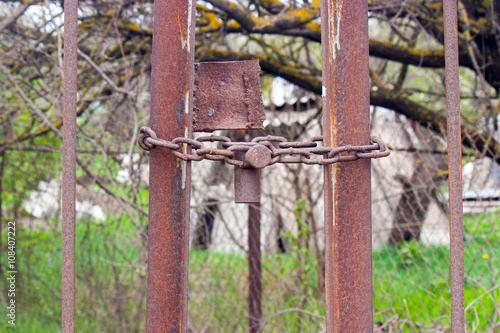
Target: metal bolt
258, 156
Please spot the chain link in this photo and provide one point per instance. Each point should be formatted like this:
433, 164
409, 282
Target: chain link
282, 151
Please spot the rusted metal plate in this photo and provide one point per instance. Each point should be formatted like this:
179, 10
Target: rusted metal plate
246, 182
227, 96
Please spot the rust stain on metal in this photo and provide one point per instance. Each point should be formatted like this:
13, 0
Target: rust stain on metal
254, 269
227, 96
334, 26
454, 166
258, 156
190, 24
69, 165
346, 119
172, 80
261, 152
246, 182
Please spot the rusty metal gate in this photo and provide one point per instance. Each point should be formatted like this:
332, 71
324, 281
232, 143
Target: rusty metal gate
188, 97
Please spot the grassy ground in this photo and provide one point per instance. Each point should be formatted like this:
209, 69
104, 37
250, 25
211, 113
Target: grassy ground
411, 288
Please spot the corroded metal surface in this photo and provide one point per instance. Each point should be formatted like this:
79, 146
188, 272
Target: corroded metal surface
69, 165
227, 96
246, 182
261, 151
249, 157
346, 117
258, 156
254, 270
454, 166
172, 80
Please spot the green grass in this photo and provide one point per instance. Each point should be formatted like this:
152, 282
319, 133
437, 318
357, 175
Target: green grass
411, 286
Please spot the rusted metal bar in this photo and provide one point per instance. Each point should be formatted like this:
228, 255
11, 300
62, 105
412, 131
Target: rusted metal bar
254, 269
69, 165
246, 180
346, 118
172, 79
454, 166
254, 263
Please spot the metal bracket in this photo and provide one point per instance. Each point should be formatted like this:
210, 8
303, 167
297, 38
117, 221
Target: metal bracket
227, 96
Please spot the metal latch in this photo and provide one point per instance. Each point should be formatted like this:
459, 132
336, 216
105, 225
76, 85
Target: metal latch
227, 95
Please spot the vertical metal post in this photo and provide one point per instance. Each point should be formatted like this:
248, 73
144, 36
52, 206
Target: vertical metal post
454, 166
254, 254
346, 92
69, 165
254, 269
254, 260
169, 182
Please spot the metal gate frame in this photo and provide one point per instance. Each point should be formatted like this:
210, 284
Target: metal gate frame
347, 186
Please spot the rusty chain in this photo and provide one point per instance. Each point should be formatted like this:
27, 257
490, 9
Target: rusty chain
265, 151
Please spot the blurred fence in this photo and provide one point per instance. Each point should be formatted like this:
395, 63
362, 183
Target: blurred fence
410, 239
